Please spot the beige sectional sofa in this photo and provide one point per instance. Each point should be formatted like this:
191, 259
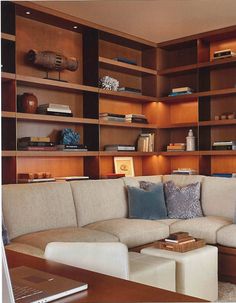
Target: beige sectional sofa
97, 211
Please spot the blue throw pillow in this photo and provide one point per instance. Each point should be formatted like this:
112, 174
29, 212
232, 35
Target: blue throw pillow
147, 204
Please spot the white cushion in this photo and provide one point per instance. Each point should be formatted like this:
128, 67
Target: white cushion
30, 208
182, 180
133, 232
226, 236
97, 200
153, 271
219, 196
203, 227
168, 221
134, 181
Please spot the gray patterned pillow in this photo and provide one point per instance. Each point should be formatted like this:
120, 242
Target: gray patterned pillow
183, 202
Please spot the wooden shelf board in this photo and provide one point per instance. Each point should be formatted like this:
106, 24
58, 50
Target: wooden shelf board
130, 96
130, 154
179, 153
53, 84
179, 125
6, 114
49, 118
55, 154
218, 92
218, 122
8, 76
8, 153
126, 66
177, 70
8, 37
127, 124
191, 67
217, 152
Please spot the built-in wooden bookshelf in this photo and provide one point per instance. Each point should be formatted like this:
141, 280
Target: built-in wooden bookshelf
159, 68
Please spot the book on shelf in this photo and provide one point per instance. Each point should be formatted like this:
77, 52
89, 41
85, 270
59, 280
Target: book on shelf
125, 60
34, 139
184, 171
70, 147
71, 178
53, 110
146, 142
114, 176
128, 116
54, 106
129, 90
23, 144
224, 175
112, 117
38, 148
136, 120
176, 147
225, 53
181, 89
223, 143
119, 147
38, 180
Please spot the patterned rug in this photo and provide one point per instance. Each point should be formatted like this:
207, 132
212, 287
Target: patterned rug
227, 292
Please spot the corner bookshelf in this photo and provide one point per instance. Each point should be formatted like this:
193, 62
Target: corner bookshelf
189, 62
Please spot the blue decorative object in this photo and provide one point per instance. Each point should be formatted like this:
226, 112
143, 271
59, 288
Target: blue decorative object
70, 137
5, 236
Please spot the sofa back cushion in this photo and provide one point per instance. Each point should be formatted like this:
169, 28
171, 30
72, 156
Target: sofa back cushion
134, 181
219, 196
98, 200
182, 180
30, 208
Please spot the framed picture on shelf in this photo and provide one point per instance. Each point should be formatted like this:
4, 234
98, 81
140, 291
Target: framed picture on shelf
124, 165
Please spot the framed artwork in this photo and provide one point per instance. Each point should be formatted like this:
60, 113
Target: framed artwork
124, 165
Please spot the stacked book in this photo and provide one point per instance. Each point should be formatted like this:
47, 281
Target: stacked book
224, 175
176, 147
35, 144
184, 171
146, 142
54, 109
112, 117
180, 238
225, 53
129, 90
35, 177
119, 147
125, 60
224, 145
180, 91
136, 118
70, 147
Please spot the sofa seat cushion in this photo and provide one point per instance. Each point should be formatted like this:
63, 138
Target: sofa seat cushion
168, 221
73, 234
203, 227
26, 249
226, 236
133, 232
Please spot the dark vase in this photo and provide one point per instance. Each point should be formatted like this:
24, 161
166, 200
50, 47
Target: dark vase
29, 103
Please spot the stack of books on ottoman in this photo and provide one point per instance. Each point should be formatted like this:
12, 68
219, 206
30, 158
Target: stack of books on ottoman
54, 109
180, 242
36, 144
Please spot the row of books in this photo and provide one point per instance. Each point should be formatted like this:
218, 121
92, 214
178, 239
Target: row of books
146, 142
54, 109
44, 144
131, 118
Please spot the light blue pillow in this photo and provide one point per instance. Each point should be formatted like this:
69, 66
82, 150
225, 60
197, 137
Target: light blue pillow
147, 204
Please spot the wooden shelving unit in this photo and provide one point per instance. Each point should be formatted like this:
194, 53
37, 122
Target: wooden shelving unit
182, 62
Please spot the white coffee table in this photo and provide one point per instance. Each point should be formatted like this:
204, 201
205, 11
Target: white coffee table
196, 270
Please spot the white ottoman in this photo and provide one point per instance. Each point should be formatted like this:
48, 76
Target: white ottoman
153, 271
196, 270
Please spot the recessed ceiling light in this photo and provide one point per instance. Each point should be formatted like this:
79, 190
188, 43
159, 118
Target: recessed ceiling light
75, 26
28, 13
